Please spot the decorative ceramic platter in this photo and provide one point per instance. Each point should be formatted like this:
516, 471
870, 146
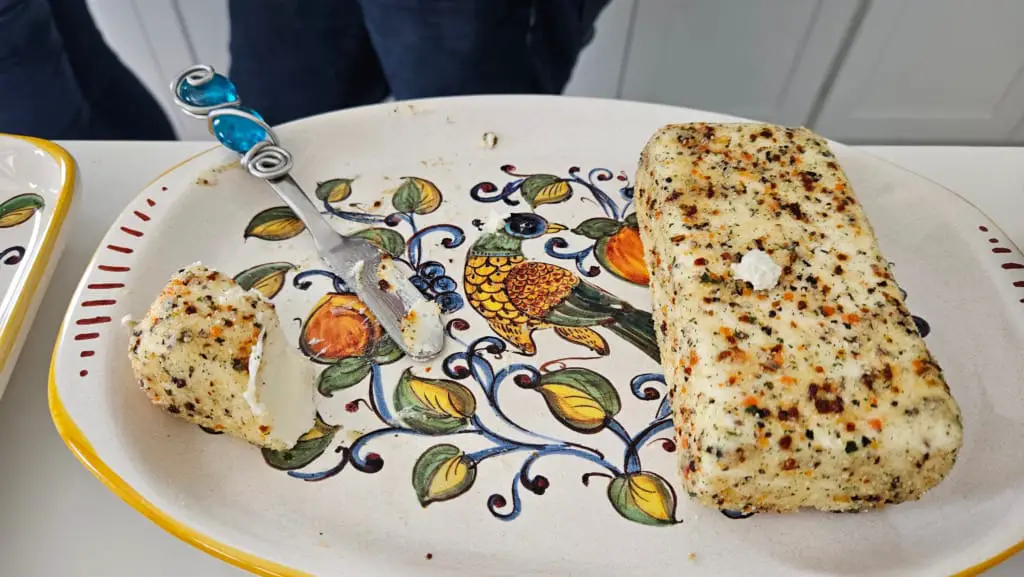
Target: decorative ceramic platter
542, 452
37, 182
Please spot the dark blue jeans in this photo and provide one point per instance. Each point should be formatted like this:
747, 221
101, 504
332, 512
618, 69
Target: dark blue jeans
295, 58
60, 80
290, 58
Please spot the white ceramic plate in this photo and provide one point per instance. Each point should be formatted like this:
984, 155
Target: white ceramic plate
37, 183
527, 482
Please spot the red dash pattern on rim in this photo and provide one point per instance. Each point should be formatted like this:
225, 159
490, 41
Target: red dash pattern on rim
997, 248
100, 320
93, 321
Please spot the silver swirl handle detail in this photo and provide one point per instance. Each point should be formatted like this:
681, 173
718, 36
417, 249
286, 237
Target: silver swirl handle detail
268, 161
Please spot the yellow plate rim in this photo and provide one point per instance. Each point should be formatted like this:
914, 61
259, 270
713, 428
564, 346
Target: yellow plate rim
37, 267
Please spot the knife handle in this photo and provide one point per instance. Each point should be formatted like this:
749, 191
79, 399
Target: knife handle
203, 93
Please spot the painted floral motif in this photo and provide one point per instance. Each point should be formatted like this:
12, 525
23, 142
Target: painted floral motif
15, 211
514, 297
580, 399
616, 237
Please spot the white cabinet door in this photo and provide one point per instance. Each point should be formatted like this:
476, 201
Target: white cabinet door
931, 71
763, 60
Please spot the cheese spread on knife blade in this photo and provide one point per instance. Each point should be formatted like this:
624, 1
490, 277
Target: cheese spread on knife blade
816, 390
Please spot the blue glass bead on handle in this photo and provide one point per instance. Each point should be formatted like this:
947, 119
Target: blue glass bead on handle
237, 132
203, 93
216, 91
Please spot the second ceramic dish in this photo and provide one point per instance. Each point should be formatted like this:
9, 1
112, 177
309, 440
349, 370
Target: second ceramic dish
37, 183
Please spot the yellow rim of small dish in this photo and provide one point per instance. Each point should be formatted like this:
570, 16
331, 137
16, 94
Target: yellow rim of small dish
37, 267
83, 451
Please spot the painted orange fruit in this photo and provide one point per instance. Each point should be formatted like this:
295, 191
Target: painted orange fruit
622, 254
339, 327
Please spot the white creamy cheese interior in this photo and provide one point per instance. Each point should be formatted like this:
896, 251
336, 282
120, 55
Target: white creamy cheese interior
284, 386
758, 268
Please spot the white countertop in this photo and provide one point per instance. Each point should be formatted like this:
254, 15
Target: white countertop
57, 520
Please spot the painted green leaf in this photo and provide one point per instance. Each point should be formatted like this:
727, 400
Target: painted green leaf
334, 190
416, 195
541, 189
433, 406
390, 241
387, 351
267, 278
277, 223
18, 209
310, 446
643, 497
597, 227
441, 473
579, 398
630, 220
342, 375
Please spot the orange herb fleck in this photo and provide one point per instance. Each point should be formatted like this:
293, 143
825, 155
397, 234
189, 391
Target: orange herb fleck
750, 401
828, 310
787, 296
787, 380
875, 424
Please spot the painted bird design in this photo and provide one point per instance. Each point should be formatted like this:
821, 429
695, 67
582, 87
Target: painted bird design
517, 296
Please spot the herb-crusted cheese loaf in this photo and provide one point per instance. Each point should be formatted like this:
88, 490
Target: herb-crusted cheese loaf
815, 392
215, 354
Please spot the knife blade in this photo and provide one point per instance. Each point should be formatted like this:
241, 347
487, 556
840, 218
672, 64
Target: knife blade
401, 309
